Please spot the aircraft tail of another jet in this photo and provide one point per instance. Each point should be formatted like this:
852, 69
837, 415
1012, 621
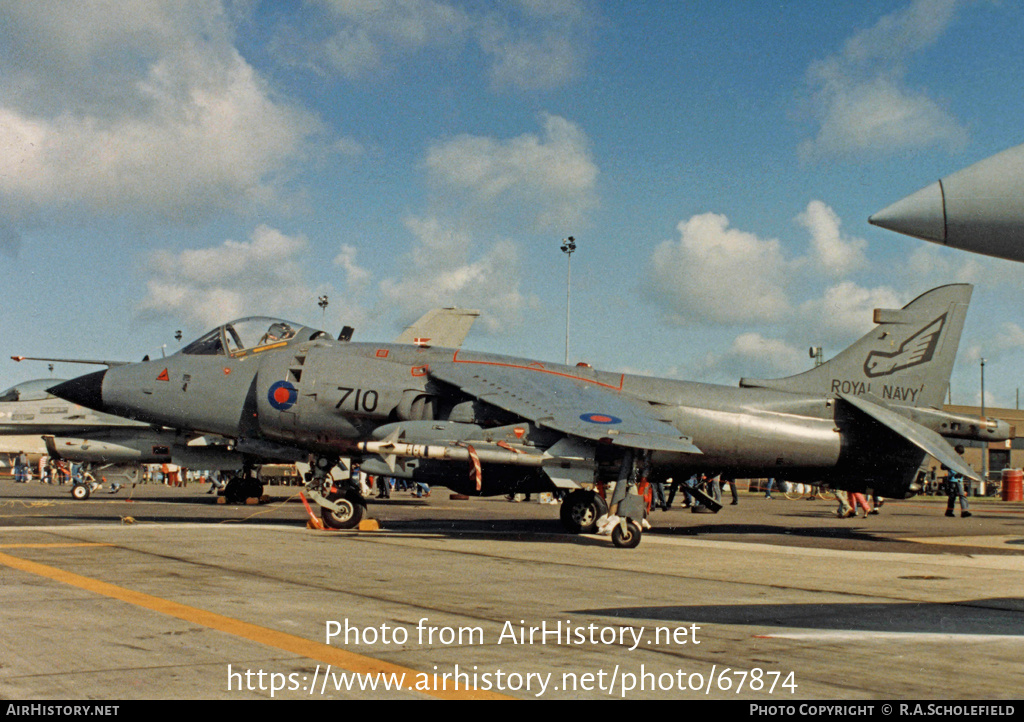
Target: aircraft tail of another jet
906, 359
442, 327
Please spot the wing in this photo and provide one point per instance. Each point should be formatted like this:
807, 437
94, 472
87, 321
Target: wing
442, 327
566, 403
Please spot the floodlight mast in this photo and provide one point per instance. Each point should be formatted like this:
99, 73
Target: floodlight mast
984, 446
568, 247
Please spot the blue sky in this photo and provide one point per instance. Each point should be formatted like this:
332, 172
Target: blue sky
173, 165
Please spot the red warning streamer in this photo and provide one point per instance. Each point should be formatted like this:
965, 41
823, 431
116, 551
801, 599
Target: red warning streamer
506, 445
476, 473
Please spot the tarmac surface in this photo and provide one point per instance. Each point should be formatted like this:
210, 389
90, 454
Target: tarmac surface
161, 593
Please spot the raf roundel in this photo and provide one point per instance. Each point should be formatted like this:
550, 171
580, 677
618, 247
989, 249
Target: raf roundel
606, 419
282, 395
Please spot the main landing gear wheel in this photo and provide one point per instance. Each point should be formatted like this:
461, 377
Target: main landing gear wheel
581, 510
80, 492
353, 507
628, 539
240, 488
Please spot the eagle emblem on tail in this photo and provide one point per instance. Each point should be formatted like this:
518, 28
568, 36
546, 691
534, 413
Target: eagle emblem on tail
916, 350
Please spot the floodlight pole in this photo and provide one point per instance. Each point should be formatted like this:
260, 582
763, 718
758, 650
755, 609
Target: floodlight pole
983, 387
984, 444
568, 246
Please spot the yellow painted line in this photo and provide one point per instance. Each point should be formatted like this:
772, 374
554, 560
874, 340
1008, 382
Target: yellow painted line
263, 635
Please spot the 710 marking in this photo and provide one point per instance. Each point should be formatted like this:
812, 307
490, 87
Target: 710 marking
363, 401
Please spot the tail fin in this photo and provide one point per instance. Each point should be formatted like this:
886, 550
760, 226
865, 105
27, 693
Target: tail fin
443, 327
907, 358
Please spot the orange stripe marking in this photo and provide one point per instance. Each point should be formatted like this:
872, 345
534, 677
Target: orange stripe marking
622, 377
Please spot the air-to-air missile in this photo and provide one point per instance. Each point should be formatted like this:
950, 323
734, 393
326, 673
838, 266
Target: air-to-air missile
978, 209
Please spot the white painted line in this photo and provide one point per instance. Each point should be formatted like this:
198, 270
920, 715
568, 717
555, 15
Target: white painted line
885, 637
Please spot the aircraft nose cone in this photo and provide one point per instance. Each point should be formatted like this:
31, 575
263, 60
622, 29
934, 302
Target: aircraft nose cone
85, 390
921, 214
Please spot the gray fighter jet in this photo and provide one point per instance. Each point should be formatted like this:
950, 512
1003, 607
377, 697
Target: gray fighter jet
978, 209
486, 424
118, 445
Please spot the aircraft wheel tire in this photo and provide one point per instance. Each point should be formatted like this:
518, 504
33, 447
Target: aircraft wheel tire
253, 488
581, 510
352, 510
234, 490
239, 488
80, 492
628, 539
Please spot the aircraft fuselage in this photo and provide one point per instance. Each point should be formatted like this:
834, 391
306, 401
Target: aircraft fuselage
324, 396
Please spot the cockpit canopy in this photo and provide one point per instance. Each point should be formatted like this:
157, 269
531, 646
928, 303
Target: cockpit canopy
250, 335
30, 390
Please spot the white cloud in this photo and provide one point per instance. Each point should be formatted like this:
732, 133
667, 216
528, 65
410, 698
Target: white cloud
833, 320
208, 286
357, 278
551, 177
410, 23
750, 355
352, 52
478, 184
349, 147
754, 345
753, 349
860, 96
935, 265
367, 35
530, 45
445, 270
844, 312
539, 48
833, 252
1012, 337
137, 108
1005, 343
717, 274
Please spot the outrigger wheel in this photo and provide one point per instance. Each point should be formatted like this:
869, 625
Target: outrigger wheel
581, 510
629, 538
